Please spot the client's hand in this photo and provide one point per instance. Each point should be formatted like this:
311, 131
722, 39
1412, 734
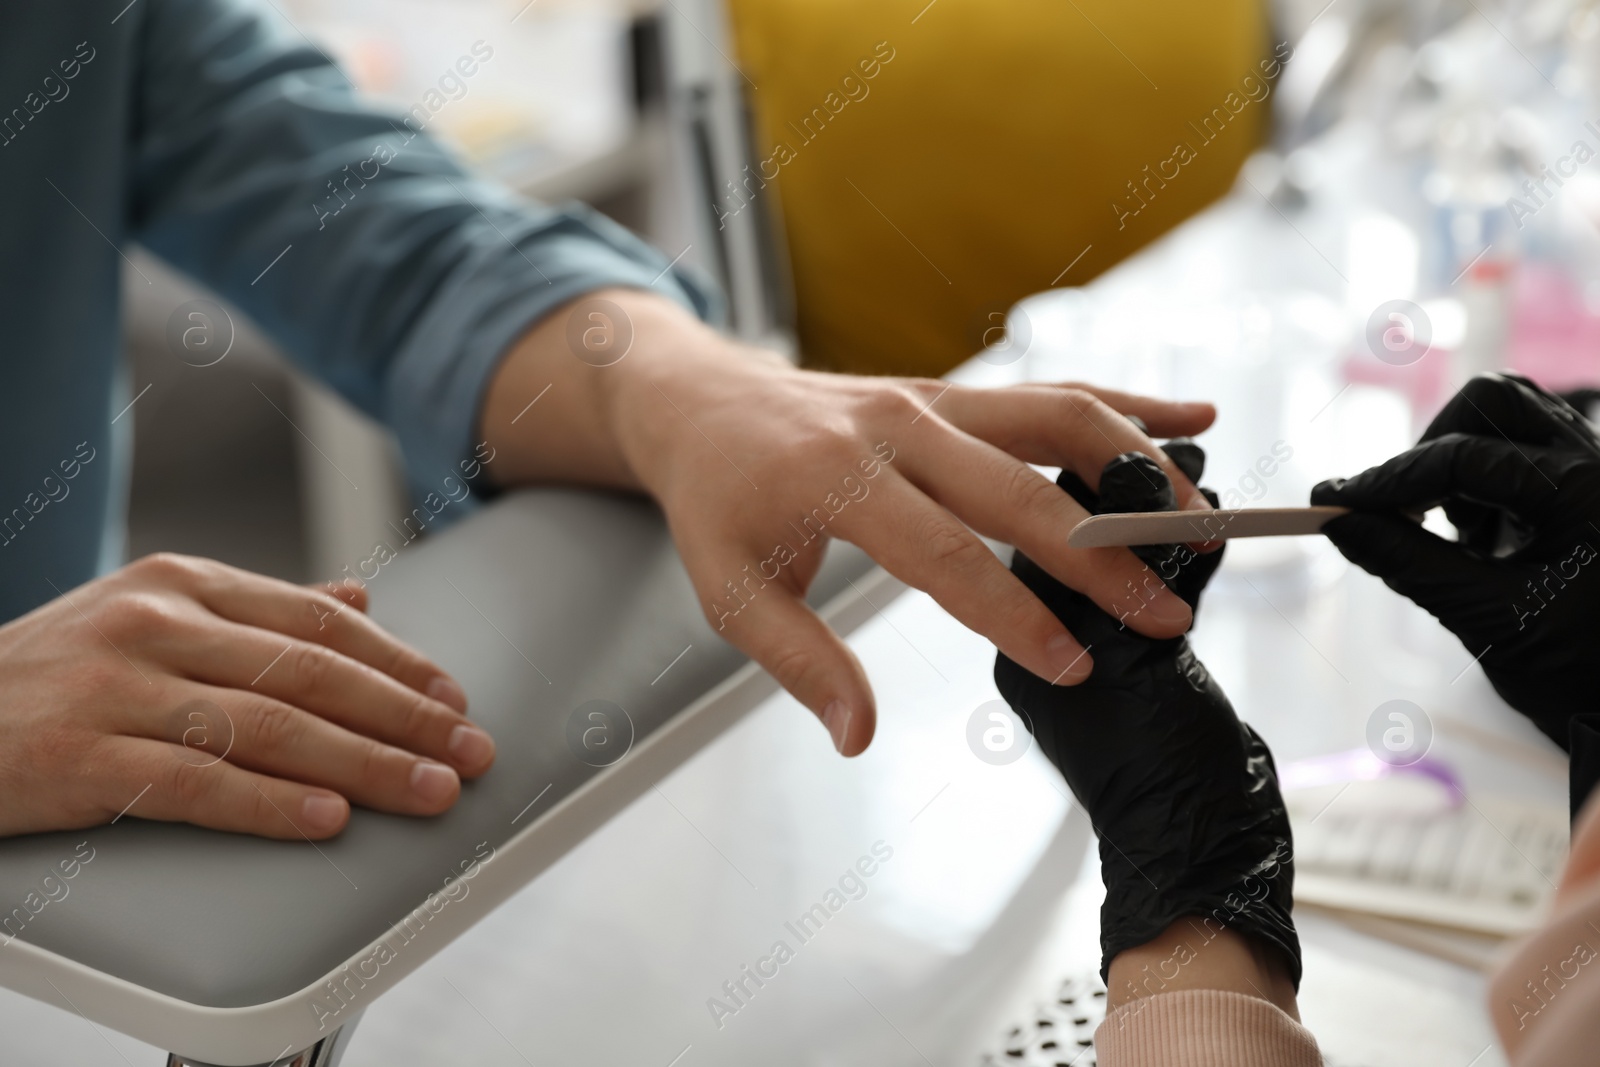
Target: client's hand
185, 690
1518, 473
1182, 794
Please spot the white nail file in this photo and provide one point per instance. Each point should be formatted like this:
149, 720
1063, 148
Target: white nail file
1174, 527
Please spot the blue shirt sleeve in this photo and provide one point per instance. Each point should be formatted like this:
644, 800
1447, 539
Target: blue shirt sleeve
353, 239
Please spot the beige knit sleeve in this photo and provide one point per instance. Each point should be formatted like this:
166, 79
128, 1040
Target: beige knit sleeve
1203, 1028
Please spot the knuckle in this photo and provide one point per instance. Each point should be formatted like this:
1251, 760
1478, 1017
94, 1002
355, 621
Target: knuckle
415, 720
132, 615
897, 402
326, 609
309, 668
946, 544
275, 727
792, 665
833, 442
166, 567
1079, 406
368, 761
189, 785
1029, 492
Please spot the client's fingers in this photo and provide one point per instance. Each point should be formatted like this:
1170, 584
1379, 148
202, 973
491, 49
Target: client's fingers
931, 549
327, 620
779, 631
1073, 428
184, 788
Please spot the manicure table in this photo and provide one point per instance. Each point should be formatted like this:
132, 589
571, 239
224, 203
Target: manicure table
571, 622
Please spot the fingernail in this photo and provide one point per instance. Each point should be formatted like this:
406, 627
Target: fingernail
1068, 657
470, 747
1197, 502
1169, 608
432, 781
836, 717
446, 691
321, 812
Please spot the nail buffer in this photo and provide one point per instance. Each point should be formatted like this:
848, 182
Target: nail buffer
1175, 527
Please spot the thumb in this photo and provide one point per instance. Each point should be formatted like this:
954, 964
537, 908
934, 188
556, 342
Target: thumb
778, 630
1412, 561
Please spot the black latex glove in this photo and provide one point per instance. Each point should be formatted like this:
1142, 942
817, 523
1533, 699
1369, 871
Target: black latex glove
1518, 473
1183, 796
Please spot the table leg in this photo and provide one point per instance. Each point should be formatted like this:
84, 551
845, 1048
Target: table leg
325, 1053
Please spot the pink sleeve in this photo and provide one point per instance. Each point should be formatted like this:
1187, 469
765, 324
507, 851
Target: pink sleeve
1203, 1028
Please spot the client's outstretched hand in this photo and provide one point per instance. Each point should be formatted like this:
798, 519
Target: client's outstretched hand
1518, 473
1183, 795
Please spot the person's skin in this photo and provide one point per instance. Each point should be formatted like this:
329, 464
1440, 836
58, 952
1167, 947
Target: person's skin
126, 693
1186, 955
735, 444
1551, 973
159, 691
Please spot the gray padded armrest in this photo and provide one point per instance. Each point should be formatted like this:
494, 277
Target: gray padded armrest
542, 601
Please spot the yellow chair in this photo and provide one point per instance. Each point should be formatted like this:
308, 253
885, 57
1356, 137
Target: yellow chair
934, 164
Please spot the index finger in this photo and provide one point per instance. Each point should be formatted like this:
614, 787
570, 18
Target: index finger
1521, 479
1076, 428
317, 616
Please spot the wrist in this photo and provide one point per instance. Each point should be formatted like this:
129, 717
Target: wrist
596, 357
677, 368
634, 394
1188, 955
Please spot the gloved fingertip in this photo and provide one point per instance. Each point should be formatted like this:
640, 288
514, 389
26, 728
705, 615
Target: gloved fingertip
1135, 482
1187, 456
1329, 492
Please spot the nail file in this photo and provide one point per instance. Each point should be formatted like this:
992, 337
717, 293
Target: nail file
1174, 527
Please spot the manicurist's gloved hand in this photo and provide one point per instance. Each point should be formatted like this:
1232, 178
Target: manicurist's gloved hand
1183, 795
1518, 473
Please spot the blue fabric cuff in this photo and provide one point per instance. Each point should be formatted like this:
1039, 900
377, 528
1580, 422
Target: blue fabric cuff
525, 264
